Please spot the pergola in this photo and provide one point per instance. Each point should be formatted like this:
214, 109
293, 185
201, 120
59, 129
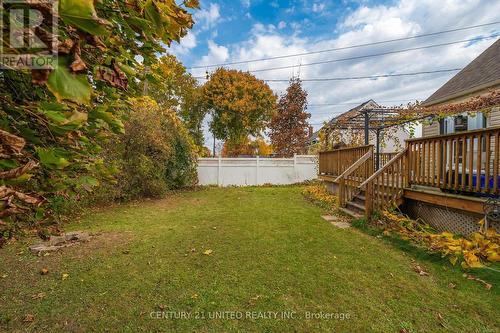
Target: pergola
374, 119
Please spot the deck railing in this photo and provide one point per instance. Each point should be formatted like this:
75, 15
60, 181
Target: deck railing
467, 162
464, 162
335, 162
384, 158
386, 186
353, 176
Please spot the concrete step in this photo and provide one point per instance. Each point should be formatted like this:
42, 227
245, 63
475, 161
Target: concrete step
351, 213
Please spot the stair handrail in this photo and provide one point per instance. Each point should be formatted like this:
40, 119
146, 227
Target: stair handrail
341, 180
368, 184
356, 165
383, 169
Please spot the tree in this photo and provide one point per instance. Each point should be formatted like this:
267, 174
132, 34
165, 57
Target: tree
240, 104
54, 120
237, 147
245, 146
174, 88
289, 129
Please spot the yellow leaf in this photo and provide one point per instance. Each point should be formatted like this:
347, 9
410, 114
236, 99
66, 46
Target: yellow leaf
207, 252
491, 233
453, 260
448, 235
494, 257
472, 260
65, 276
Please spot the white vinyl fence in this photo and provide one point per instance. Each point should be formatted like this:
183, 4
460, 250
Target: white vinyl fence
256, 170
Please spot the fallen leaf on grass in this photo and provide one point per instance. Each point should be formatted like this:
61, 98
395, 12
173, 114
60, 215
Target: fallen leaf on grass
452, 285
38, 296
65, 276
254, 300
4, 276
194, 296
44, 271
207, 252
441, 320
29, 318
420, 270
472, 277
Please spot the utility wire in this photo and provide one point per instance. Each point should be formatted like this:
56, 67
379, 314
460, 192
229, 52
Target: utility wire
376, 54
346, 47
357, 103
368, 77
362, 77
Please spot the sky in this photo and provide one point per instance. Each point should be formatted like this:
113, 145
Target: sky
241, 30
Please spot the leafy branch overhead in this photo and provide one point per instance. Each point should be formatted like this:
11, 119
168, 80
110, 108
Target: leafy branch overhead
54, 121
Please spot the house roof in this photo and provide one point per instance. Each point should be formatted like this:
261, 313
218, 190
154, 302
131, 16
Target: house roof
348, 114
482, 73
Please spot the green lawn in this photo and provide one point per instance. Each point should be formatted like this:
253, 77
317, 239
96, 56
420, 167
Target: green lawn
272, 252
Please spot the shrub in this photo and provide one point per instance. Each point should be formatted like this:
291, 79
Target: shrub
154, 155
319, 195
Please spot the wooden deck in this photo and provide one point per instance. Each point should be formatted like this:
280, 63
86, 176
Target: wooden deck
456, 171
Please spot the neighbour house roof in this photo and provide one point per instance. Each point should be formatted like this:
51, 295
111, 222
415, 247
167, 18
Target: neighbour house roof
348, 114
482, 73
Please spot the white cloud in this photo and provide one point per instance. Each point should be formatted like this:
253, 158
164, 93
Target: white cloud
246, 3
187, 43
216, 54
364, 25
318, 7
282, 25
208, 18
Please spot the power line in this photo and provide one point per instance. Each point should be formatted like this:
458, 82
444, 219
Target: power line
375, 54
369, 55
369, 77
357, 103
361, 77
346, 47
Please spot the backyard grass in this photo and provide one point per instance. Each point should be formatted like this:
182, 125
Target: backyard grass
266, 250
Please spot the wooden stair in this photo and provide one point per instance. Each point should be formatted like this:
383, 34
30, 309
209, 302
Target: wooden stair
356, 207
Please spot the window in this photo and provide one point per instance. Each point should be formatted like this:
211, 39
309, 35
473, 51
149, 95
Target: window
462, 122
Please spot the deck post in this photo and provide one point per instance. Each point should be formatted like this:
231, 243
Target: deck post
367, 127
377, 163
369, 201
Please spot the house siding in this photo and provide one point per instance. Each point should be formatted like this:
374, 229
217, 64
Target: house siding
494, 117
430, 129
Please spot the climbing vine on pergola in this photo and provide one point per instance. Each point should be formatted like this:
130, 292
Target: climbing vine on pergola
385, 120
